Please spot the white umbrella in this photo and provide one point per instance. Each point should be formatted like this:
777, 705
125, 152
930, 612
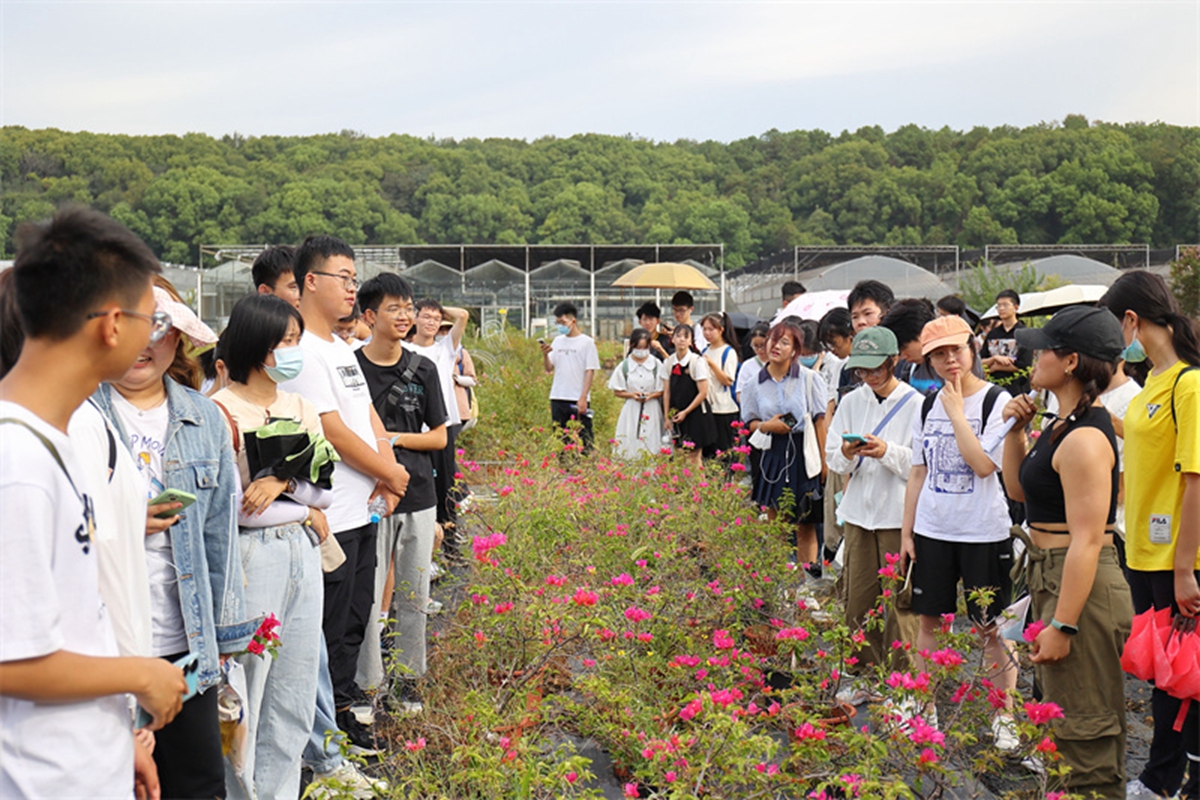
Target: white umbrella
1043, 303
813, 305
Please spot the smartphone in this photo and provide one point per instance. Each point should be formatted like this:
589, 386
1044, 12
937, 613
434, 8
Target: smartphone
856, 438
790, 420
541, 341
190, 664
173, 496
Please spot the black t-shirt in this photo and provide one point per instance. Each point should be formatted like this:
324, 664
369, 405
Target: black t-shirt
416, 404
1000, 342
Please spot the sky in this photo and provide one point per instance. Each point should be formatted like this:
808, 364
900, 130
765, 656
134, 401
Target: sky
656, 70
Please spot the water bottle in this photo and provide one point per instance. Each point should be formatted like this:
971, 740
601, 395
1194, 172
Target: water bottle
377, 509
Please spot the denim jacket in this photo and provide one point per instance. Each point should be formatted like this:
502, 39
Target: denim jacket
199, 460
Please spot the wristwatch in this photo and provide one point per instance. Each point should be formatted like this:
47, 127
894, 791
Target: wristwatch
1069, 630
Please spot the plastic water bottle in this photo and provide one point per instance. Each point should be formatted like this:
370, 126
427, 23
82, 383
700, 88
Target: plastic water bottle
377, 509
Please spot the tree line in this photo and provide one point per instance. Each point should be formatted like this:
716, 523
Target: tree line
1077, 182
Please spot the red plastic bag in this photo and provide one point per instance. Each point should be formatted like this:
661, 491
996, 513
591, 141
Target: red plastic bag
1183, 655
1145, 654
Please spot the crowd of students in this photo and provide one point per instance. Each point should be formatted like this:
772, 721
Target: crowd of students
158, 524
894, 428
153, 519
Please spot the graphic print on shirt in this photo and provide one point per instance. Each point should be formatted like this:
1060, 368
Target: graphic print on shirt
148, 454
1004, 347
85, 532
352, 377
1152, 409
948, 472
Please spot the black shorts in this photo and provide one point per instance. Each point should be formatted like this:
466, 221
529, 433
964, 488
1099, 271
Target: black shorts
940, 565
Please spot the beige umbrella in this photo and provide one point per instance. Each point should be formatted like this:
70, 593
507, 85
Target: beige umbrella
664, 276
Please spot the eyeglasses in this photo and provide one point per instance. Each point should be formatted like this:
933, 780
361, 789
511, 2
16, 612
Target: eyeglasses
943, 353
398, 311
864, 372
348, 283
160, 321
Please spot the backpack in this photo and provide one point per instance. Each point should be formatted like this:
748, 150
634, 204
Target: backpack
989, 402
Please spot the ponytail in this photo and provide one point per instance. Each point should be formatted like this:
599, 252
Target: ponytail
1185, 338
1148, 296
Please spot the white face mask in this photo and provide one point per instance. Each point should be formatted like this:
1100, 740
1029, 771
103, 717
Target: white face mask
640, 355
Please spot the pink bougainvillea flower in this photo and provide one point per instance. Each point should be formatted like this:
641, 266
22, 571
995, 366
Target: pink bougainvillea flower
505, 491
624, 579
571, 777
631, 789
583, 597
256, 647
722, 640
502, 608
635, 614
1041, 713
808, 731
947, 657
670, 776
927, 757
1031, 632
413, 747
555, 580
1047, 745
691, 709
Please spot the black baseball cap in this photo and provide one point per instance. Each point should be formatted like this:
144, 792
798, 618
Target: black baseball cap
1086, 330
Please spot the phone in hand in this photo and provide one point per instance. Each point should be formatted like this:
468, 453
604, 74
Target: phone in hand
190, 664
173, 496
541, 340
790, 420
854, 438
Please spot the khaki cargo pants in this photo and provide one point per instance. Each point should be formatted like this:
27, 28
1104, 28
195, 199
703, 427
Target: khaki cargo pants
1088, 684
863, 557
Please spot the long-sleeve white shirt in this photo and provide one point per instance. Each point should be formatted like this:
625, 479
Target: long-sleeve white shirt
874, 495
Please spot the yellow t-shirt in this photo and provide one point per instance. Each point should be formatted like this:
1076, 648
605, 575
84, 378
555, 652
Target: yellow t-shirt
1155, 459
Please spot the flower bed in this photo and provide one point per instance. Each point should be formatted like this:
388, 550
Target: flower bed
646, 607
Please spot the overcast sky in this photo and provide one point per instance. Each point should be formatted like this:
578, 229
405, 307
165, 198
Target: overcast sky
664, 71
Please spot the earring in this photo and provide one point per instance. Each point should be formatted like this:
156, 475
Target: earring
1067, 371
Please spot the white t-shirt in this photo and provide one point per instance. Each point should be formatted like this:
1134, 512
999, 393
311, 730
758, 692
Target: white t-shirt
119, 499
747, 374
50, 601
955, 504
333, 382
1117, 402
443, 354
146, 436
831, 371
572, 357
720, 397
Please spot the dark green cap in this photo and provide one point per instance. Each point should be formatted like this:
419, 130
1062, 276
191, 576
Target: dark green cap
871, 347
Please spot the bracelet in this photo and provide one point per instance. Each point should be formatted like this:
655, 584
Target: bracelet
308, 522
394, 439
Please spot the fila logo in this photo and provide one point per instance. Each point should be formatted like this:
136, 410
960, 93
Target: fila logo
1152, 409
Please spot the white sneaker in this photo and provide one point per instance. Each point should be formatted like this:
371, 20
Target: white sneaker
1004, 732
347, 777
856, 693
1136, 790
435, 571
364, 714
433, 607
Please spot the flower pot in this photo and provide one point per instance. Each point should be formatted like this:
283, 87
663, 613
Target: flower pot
824, 715
760, 640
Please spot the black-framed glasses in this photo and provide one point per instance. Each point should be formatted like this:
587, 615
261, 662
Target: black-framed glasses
348, 283
160, 321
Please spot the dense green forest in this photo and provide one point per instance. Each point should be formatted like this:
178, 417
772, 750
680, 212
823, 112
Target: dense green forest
1074, 182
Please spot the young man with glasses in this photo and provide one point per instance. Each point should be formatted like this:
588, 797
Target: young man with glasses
82, 286
332, 380
407, 392
443, 352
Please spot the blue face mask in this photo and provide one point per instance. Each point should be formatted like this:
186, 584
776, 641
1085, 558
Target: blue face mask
563, 330
1134, 353
808, 361
289, 361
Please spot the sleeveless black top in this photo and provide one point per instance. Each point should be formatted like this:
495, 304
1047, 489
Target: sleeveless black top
1043, 489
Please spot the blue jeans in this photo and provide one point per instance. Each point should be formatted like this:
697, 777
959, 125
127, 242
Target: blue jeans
319, 754
283, 577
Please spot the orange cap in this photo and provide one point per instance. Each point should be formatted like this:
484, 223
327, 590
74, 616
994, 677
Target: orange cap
943, 331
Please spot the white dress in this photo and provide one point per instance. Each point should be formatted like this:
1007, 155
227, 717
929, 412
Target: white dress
640, 426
